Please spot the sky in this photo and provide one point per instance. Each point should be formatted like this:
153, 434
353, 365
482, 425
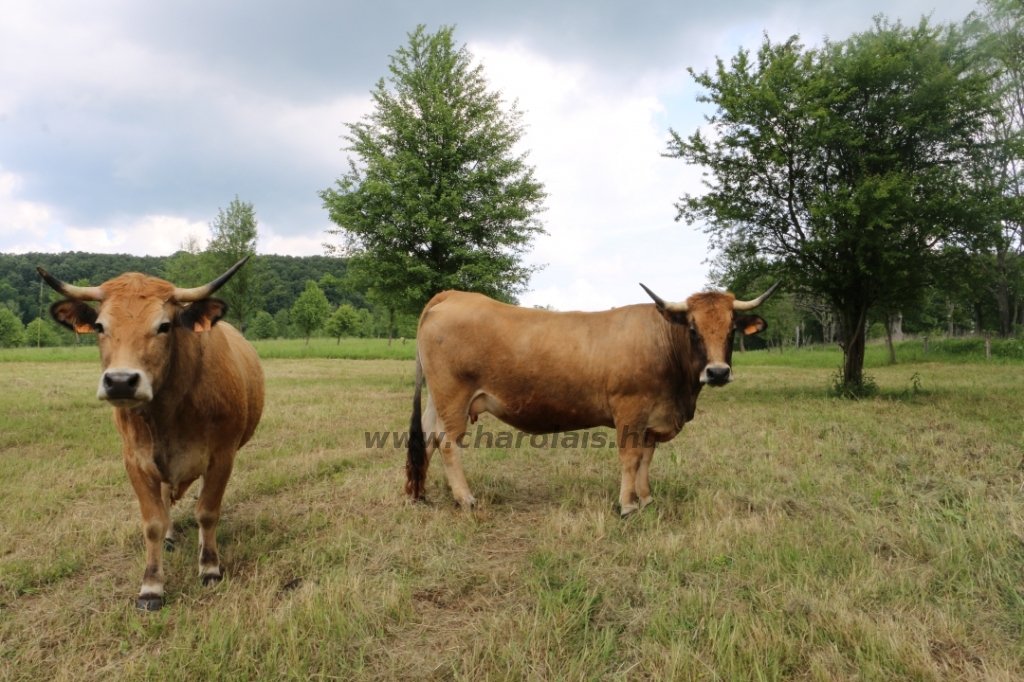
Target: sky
125, 126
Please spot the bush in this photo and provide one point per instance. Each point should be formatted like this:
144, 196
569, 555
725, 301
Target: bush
263, 327
12, 331
39, 332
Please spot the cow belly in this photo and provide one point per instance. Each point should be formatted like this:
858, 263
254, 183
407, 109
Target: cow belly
535, 416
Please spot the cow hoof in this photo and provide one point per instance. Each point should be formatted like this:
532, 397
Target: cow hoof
469, 504
629, 511
211, 579
644, 501
168, 545
149, 602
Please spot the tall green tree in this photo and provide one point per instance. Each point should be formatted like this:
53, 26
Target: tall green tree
233, 236
999, 34
310, 310
439, 199
845, 168
187, 268
344, 321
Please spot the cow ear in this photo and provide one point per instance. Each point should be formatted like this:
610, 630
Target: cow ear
750, 324
673, 317
77, 316
200, 316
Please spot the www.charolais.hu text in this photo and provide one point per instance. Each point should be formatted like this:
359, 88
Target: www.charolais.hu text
399, 440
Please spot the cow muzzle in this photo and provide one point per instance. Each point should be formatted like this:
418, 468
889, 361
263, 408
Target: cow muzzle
716, 375
124, 387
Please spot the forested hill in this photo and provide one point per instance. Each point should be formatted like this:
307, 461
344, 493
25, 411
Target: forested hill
284, 279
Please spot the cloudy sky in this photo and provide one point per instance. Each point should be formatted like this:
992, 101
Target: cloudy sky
124, 126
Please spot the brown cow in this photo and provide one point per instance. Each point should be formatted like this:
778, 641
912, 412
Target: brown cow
187, 393
638, 369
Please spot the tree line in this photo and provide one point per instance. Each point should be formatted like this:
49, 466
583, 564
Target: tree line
273, 301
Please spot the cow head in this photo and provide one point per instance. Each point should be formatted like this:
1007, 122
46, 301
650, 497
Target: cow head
137, 321
711, 318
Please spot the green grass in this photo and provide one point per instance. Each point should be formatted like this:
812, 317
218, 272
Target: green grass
348, 349
792, 537
958, 351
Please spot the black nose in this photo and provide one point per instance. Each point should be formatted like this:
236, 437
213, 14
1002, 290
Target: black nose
120, 385
717, 375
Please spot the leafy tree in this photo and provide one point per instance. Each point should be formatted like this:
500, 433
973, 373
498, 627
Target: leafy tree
343, 322
263, 327
845, 168
187, 267
310, 311
999, 33
12, 331
440, 199
234, 236
41, 333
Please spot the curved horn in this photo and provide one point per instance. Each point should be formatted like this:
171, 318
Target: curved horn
679, 307
205, 291
70, 290
750, 305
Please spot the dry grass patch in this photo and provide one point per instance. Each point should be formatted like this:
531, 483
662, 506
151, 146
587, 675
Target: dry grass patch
792, 536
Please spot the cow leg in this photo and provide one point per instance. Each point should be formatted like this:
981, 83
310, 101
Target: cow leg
451, 456
155, 522
631, 452
215, 482
165, 494
430, 430
643, 481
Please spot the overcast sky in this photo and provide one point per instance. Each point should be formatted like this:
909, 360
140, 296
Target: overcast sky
124, 126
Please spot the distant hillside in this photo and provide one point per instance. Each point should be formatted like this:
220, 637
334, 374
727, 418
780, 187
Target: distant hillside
285, 280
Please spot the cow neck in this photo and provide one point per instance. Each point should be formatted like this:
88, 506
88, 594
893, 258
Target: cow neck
686, 368
183, 371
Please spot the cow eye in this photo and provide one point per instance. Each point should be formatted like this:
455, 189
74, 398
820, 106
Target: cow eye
98, 327
164, 328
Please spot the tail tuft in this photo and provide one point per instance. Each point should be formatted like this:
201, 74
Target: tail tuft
416, 462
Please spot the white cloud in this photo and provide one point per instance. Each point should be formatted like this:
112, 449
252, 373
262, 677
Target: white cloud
597, 146
154, 235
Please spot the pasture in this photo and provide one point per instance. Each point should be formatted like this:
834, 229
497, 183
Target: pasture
792, 536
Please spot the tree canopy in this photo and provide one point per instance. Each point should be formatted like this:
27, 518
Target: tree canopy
438, 199
845, 169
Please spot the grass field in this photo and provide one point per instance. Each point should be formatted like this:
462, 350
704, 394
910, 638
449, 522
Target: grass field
792, 537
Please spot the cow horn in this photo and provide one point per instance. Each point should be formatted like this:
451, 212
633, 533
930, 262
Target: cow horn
750, 305
679, 307
70, 290
205, 291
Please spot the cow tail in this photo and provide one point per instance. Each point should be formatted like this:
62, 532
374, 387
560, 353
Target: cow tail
416, 462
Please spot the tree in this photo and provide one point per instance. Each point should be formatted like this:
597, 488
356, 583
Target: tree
845, 168
234, 235
439, 199
187, 268
41, 333
263, 326
999, 35
12, 331
343, 322
310, 310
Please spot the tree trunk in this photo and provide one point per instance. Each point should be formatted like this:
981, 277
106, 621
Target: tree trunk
853, 322
743, 348
950, 307
307, 340
391, 323
979, 320
888, 342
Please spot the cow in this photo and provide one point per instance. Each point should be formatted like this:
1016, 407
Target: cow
187, 393
637, 369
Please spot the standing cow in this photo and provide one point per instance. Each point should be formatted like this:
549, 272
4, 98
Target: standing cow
187, 393
637, 369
